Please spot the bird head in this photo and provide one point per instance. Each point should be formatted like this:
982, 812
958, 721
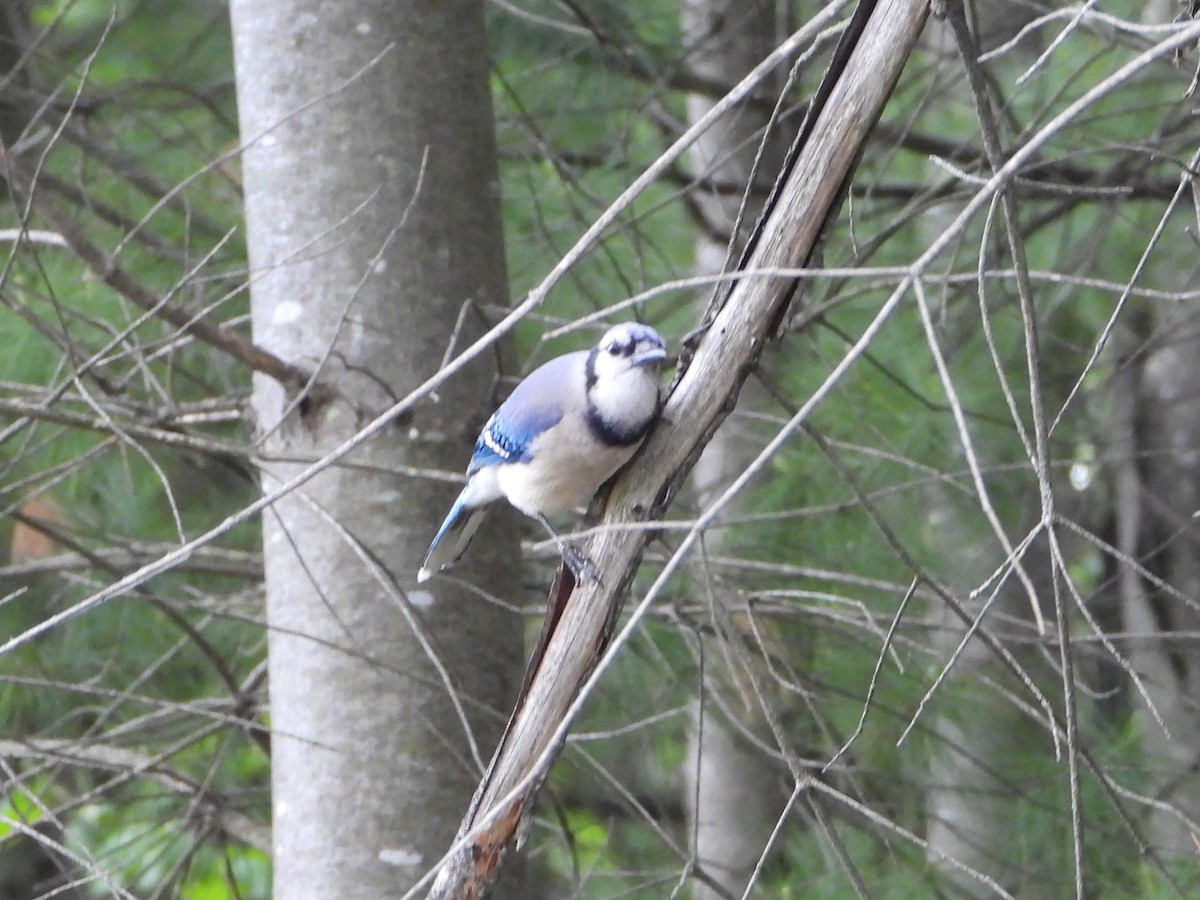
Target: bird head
630, 345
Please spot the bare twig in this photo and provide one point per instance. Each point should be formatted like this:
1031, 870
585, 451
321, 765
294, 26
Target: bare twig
291, 376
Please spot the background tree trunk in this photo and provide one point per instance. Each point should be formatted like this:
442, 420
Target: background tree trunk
1157, 453
971, 779
373, 219
733, 794
971, 776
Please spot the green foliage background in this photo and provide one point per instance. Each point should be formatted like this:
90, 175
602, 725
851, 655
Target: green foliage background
140, 148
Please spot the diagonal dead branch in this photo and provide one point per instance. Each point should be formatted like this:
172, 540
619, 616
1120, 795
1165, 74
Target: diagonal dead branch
702, 396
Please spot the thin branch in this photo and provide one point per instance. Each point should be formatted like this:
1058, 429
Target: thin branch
230, 342
132, 764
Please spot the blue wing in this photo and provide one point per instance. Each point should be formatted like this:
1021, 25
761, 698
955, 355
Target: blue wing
533, 409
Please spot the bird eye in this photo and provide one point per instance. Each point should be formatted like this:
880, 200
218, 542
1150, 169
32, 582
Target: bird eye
616, 348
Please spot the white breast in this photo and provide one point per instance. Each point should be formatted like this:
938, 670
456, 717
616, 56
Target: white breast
567, 469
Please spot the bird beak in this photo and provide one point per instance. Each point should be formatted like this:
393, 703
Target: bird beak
651, 357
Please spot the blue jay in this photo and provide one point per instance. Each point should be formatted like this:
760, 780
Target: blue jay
565, 429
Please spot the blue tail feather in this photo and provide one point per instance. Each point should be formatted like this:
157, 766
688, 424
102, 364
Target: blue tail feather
452, 538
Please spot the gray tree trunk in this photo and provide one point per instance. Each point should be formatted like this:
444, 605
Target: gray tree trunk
979, 746
372, 209
1157, 450
733, 795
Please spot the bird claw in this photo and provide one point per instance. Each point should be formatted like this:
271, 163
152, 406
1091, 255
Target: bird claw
577, 561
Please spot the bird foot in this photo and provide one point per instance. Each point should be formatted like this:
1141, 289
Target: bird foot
577, 561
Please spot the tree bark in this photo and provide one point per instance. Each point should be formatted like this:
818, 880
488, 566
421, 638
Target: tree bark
372, 207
